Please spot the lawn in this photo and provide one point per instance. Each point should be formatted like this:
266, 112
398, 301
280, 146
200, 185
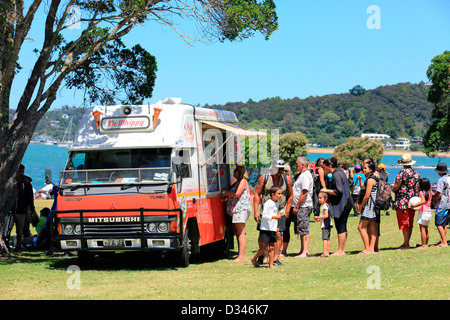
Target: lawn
388, 274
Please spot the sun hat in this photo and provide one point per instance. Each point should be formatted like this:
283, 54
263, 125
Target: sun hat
441, 168
406, 160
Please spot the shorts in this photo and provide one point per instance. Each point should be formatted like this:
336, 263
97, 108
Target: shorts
441, 217
19, 221
424, 218
405, 220
266, 236
326, 233
240, 217
341, 222
303, 220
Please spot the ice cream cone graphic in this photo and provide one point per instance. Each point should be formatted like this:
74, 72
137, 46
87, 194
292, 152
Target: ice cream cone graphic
97, 115
156, 112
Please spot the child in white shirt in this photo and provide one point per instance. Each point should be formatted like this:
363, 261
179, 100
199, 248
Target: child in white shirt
326, 222
269, 226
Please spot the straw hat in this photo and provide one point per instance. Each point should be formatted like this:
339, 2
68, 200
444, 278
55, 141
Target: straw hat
406, 160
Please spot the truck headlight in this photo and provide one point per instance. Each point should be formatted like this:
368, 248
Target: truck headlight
163, 227
77, 229
151, 227
68, 229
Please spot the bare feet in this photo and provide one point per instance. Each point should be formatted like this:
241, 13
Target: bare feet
255, 263
238, 259
440, 244
302, 255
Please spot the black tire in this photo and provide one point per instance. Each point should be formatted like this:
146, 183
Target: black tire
182, 256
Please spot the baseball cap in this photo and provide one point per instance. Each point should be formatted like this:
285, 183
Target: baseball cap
279, 164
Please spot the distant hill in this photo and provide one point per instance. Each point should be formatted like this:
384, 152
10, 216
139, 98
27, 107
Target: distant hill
399, 110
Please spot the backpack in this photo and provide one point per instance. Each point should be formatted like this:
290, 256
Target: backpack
266, 178
384, 194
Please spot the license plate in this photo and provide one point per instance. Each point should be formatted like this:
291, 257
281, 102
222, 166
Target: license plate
113, 243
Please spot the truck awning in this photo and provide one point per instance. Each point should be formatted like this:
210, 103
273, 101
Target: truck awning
238, 131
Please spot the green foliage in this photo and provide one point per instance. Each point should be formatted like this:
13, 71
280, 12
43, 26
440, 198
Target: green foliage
130, 81
355, 150
437, 137
357, 90
400, 110
292, 145
243, 17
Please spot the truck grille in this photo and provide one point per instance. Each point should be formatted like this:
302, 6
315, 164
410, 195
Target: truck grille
101, 229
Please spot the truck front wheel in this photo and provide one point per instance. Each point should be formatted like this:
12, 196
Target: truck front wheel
184, 254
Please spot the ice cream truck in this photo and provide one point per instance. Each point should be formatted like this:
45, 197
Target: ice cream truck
148, 178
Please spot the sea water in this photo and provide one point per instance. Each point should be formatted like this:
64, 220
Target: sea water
40, 157
424, 165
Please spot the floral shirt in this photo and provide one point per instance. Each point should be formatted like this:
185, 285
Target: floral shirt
238, 205
409, 188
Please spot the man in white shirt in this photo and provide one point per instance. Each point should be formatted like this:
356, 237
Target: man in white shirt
302, 203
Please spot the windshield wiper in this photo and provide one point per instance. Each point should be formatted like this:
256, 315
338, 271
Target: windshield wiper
84, 185
141, 184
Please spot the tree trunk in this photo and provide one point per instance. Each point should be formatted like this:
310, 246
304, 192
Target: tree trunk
10, 160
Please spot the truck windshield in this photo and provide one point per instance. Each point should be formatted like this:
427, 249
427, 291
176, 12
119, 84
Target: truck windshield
120, 166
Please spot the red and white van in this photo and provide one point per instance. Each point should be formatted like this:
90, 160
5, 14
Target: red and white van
146, 178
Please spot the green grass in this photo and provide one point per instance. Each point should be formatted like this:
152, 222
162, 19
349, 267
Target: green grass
404, 275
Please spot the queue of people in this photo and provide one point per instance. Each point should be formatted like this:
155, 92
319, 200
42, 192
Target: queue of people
331, 192
324, 188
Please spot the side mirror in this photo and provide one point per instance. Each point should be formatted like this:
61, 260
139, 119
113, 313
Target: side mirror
176, 164
176, 179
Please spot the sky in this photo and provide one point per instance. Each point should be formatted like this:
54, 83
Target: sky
321, 47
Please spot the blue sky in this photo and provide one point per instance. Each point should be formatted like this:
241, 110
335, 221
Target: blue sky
321, 47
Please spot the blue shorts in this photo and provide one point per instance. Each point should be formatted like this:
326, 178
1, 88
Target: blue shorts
441, 217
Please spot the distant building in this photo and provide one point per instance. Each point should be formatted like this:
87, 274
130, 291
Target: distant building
54, 123
402, 143
418, 140
375, 136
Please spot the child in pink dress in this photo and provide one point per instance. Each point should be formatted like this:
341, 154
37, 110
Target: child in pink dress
424, 216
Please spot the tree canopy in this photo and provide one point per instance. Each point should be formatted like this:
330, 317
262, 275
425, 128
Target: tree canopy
355, 150
437, 137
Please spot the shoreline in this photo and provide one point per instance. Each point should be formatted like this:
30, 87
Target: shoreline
386, 152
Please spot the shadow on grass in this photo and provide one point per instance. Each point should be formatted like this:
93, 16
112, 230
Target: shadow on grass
134, 261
